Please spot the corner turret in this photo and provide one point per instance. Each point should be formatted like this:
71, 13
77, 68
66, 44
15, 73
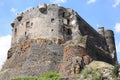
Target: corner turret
109, 36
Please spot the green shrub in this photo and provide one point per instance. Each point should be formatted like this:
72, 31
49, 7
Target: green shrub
86, 72
95, 73
25, 78
115, 70
79, 39
50, 76
97, 76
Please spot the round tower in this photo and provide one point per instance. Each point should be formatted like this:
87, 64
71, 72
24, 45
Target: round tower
109, 36
39, 22
101, 30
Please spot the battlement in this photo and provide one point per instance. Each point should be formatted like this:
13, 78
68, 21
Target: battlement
32, 12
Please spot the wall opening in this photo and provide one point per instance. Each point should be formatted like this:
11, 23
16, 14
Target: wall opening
68, 21
52, 19
15, 31
63, 15
52, 29
67, 33
28, 24
32, 24
25, 33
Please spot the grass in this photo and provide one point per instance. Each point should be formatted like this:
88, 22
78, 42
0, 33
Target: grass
79, 39
115, 70
50, 76
94, 73
25, 78
47, 76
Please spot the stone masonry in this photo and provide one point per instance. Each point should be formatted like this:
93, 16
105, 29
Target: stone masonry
54, 38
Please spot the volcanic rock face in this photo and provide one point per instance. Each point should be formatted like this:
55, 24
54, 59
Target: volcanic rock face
54, 38
33, 58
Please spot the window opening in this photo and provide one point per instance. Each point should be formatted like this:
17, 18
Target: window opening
28, 24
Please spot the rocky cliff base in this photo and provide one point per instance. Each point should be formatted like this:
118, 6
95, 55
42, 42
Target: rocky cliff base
38, 56
32, 58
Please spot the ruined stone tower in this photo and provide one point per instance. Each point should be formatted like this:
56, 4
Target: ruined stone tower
109, 36
54, 38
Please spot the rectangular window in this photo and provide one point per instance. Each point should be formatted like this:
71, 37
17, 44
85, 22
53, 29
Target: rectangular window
28, 24
15, 31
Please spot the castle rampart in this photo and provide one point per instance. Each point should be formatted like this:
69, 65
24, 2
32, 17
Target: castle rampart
58, 23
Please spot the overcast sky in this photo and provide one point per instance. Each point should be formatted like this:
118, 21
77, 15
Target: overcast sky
97, 13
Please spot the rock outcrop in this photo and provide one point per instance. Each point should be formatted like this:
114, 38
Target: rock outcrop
97, 70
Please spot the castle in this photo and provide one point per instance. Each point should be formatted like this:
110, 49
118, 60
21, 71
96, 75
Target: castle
54, 38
